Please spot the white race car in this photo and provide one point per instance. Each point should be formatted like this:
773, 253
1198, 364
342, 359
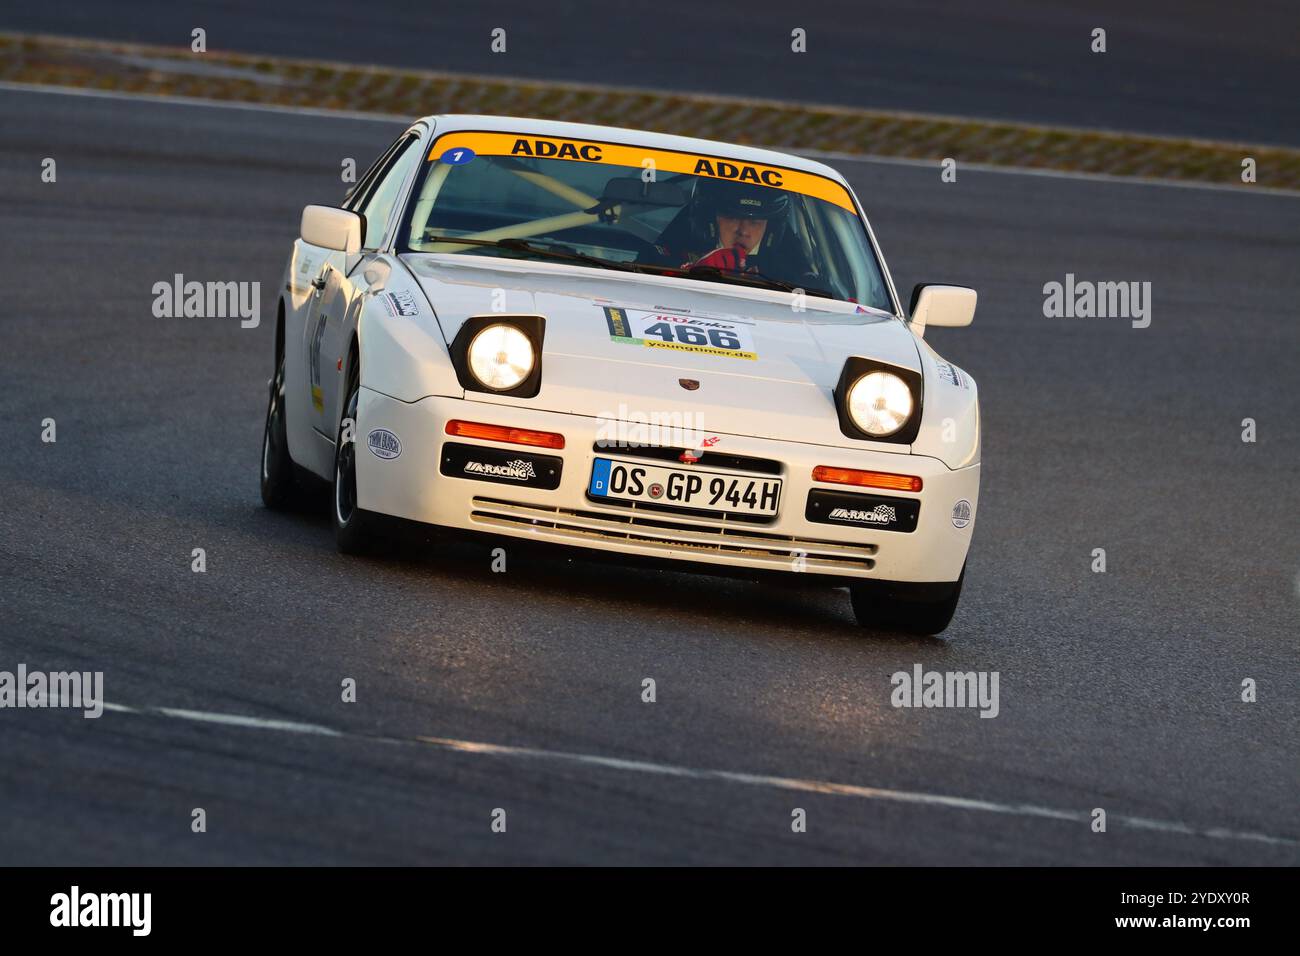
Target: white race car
626, 342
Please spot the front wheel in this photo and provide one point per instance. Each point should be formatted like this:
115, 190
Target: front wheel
355, 530
892, 607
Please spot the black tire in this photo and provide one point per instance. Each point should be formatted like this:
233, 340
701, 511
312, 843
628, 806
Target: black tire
878, 606
355, 531
280, 487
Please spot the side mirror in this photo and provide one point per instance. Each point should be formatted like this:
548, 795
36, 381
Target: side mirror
332, 228
946, 306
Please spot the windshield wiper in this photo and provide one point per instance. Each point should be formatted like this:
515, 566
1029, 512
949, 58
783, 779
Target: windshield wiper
756, 279
523, 245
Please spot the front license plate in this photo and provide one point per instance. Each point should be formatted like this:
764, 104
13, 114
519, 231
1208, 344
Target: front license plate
685, 488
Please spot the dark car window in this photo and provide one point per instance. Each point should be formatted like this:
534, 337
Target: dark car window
491, 187
377, 205
366, 183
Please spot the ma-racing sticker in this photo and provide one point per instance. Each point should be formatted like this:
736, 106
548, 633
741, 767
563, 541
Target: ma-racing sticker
480, 463
384, 443
400, 303
727, 338
863, 511
880, 514
517, 469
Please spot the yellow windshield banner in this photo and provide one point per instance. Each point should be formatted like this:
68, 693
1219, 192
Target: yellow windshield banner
527, 146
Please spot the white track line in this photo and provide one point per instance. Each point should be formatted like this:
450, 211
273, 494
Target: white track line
821, 155
480, 748
230, 720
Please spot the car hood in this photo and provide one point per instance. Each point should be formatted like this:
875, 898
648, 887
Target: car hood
784, 390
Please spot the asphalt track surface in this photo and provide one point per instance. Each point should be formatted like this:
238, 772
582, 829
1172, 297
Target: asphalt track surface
1198, 68
1118, 690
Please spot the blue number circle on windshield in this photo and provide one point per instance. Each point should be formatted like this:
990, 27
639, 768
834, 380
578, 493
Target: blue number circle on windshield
457, 156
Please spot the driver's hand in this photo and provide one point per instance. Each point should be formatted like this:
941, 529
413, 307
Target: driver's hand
728, 260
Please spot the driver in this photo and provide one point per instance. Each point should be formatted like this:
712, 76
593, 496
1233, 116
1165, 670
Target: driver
734, 227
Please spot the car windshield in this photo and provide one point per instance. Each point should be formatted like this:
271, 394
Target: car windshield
632, 208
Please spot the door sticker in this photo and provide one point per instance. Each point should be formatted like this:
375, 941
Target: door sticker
317, 396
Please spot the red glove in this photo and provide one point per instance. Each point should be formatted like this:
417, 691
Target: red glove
728, 260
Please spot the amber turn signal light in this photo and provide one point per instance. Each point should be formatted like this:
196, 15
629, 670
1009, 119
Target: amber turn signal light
503, 433
866, 479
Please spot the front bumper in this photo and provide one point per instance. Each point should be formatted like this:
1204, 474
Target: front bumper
411, 486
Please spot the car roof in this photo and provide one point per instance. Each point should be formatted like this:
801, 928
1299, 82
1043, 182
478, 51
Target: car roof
452, 122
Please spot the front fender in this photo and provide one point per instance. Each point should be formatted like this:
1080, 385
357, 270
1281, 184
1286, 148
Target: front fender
403, 352
950, 426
